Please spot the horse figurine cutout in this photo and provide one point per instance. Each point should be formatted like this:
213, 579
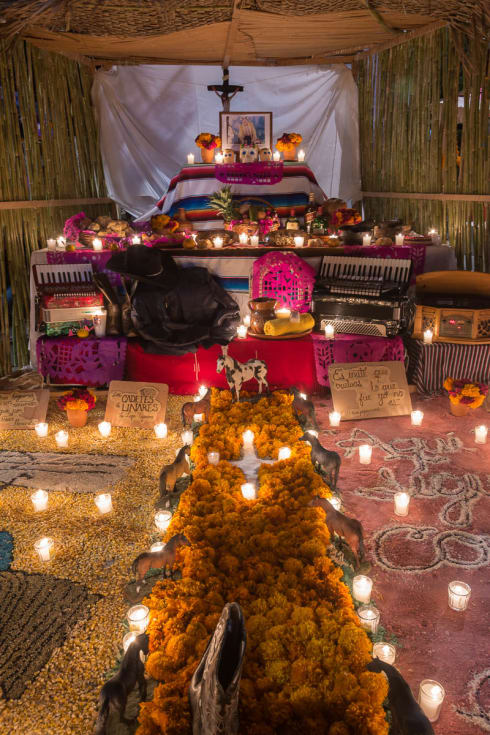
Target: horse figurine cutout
238, 373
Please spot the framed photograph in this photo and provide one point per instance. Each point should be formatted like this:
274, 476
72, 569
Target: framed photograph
245, 128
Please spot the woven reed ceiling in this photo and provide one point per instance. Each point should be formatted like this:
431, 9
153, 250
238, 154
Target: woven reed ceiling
231, 32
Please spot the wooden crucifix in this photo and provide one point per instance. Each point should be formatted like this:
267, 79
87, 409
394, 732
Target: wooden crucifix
225, 91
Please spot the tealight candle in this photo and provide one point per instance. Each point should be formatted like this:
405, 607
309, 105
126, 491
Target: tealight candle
329, 331
136, 240
248, 439
61, 243
458, 595
41, 429
313, 432
243, 238
202, 391
277, 156
159, 546
105, 428
431, 697
103, 501
191, 158
301, 155
97, 243
218, 242
428, 334
417, 417
402, 501
368, 617
284, 453
213, 457
138, 618
399, 239
335, 501
241, 331
44, 548
334, 418
361, 588
219, 157
61, 438
187, 437
247, 320
198, 418
366, 238
254, 241
51, 243
160, 431
481, 434
128, 639
385, 652
163, 519
249, 491
40, 500
365, 452
283, 312
299, 241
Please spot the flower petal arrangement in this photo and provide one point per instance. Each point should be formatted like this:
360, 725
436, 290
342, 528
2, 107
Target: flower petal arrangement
288, 141
208, 141
305, 665
78, 398
465, 392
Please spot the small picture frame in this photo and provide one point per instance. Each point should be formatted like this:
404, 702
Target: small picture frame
245, 128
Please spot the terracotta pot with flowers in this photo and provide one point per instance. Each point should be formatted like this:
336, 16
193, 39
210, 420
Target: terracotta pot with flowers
77, 403
464, 394
288, 143
207, 142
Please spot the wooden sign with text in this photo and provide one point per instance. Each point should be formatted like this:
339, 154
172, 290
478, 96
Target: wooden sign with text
22, 409
365, 390
138, 405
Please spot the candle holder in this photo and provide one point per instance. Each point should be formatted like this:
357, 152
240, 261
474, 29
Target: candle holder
213, 457
282, 312
368, 617
431, 697
365, 453
241, 331
218, 243
417, 417
198, 418
100, 323
299, 241
243, 238
428, 334
301, 155
254, 241
361, 588
158, 546
97, 244
163, 519
284, 453
128, 639
276, 156
385, 652
191, 158
138, 618
160, 431
61, 438
335, 501
103, 501
402, 501
329, 331
313, 432
249, 491
334, 418
105, 428
246, 320
39, 500
248, 439
458, 595
187, 437
481, 433
202, 391
44, 547
41, 429
51, 243
399, 239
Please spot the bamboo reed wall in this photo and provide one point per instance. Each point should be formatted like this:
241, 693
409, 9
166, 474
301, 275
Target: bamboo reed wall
48, 151
408, 102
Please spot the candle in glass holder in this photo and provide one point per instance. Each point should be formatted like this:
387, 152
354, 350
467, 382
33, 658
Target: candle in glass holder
329, 331
213, 457
254, 241
61, 438
428, 334
198, 418
481, 434
100, 322
105, 428
187, 437
368, 617
399, 239
41, 429
44, 548
277, 156
365, 452
202, 391
303, 396
417, 417
458, 595
96, 243
241, 331
163, 519
243, 238
138, 618
434, 236
51, 243
313, 432
61, 242
128, 639
249, 491
160, 431
366, 238
431, 697
247, 320
219, 157
136, 240
158, 546
218, 242
248, 439
385, 652
334, 418
40, 500
402, 501
103, 501
299, 241
301, 155
283, 312
284, 453
335, 501
191, 158
361, 588
295, 317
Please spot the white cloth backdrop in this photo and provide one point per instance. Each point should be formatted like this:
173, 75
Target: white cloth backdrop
149, 116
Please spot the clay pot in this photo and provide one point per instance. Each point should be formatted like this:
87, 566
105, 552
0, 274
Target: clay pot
207, 155
77, 416
262, 311
290, 155
459, 409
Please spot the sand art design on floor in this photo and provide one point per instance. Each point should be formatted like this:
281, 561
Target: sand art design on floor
79, 473
479, 701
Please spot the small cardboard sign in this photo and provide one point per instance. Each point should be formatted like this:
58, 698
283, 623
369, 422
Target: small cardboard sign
22, 409
366, 390
138, 405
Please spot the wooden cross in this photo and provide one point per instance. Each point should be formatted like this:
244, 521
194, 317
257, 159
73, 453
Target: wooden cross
225, 91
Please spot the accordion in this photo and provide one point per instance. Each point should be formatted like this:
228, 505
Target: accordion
358, 295
65, 294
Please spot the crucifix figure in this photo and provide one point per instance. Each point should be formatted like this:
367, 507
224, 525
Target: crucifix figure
225, 91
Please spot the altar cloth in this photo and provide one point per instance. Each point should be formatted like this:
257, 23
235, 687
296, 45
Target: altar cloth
430, 365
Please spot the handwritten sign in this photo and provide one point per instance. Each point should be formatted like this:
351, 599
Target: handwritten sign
366, 390
139, 405
22, 409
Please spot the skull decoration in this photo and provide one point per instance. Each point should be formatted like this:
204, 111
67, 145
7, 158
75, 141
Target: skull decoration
228, 155
248, 153
265, 154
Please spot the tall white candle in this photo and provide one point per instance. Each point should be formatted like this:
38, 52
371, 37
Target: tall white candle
301, 155
431, 697
366, 238
138, 618
428, 334
458, 595
163, 519
190, 158
402, 501
277, 156
61, 438
329, 331
254, 241
247, 320
40, 500
249, 491
284, 453
187, 437
103, 501
161, 431
385, 652
365, 453
105, 428
96, 243
241, 331
243, 238
299, 241
361, 588
481, 434
417, 417
334, 418
41, 429
213, 457
368, 617
218, 242
44, 547
399, 239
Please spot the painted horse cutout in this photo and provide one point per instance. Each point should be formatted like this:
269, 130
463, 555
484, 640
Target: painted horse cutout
238, 373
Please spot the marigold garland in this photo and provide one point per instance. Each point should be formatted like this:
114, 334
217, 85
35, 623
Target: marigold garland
305, 666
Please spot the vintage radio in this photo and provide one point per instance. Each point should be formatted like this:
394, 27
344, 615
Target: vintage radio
66, 293
455, 305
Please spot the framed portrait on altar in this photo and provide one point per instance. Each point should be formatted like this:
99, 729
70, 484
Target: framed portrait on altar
245, 128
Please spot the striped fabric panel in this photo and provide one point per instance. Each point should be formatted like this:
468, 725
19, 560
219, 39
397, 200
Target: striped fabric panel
197, 208
432, 364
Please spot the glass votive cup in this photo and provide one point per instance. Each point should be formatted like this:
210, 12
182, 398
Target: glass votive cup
254, 241
481, 433
361, 588
335, 501
105, 428
187, 437
402, 501
103, 501
241, 331
329, 331
198, 418
128, 639
138, 618
246, 320
284, 453
40, 500
213, 457
249, 491
161, 431
61, 438
163, 519
365, 453
299, 241
431, 697
458, 595
428, 335
385, 652
368, 617
417, 417
41, 429
44, 548
334, 418
158, 546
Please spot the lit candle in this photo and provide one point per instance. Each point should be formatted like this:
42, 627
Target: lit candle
301, 155
458, 595
434, 236
160, 431
299, 241
219, 157
97, 243
254, 241
248, 439
100, 320
198, 418
402, 501
313, 432
399, 239
303, 396
103, 501
163, 519
329, 331
159, 546
241, 331
61, 242
283, 312
284, 453
39, 500
335, 501
218, 242
243, 238
190, 158
368, 617
246, 320
105, 428
249, 491
361, 588
366, 238
202, 391
138, 618
51, 243
41, 429
385, 652
213, 457
277, 156
431, 697
481, 434
187, 437
44, 548
136, 240
295, 317
428, 334
128, 639
365, 452
417, 417
61, 438
334, 418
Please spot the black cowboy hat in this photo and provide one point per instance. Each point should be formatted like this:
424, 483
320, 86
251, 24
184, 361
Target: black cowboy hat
146, 264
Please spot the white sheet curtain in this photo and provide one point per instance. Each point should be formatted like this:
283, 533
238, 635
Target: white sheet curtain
148, 118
